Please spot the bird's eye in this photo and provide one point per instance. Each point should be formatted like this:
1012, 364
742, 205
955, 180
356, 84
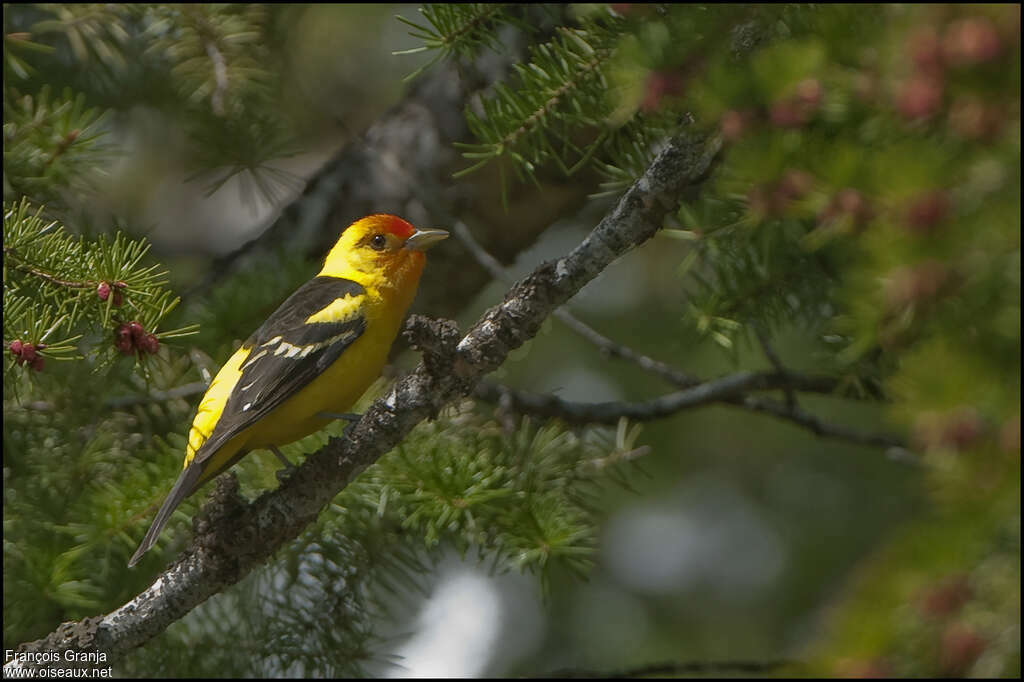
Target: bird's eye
378, 242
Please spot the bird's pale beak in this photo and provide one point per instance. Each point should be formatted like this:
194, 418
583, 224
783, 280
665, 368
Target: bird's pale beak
421, 240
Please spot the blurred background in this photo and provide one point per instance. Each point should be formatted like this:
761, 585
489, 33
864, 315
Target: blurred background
737, 537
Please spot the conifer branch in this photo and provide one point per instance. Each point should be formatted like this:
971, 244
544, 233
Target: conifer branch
232, 538
12, 256
562, 87
538, 115
54, 282
482, 14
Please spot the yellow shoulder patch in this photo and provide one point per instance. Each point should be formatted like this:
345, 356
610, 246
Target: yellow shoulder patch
339, 310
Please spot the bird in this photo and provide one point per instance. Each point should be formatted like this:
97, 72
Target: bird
310, 360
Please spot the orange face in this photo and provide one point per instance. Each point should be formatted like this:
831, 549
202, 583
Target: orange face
382, 249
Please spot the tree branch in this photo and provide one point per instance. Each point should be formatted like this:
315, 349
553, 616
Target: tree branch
793, 413
729, 390
769, 352
723, 389
232, 537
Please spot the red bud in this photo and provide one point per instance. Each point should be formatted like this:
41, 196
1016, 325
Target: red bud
149, 343
103, 291
794, 184
28, 352
138, 332
926, 50
38, 363
123, 339
734, 124
961, 647
920, 97
927, 211
963, 428
972, 118
15, 347
847, 202
946, 597
797, 109
911, 284
972, 41
808, 92
788, 114
660, 85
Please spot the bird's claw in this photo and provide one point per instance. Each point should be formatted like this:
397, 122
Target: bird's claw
285, 470
347, 416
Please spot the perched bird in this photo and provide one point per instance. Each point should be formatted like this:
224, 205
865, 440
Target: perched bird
311, 359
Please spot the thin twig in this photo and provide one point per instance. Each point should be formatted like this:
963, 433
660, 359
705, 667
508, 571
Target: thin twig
41, 274
717, 390
62, 147
608, 347
769, 352
807, 420
730, 390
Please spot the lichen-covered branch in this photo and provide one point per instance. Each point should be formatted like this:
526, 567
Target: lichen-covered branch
232, 537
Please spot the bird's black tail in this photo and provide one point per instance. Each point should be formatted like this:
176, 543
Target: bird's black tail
183, 487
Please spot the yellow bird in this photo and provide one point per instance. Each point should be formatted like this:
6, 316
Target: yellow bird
312, 358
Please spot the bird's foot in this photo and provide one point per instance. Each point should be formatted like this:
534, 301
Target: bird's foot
288, 467
350, 417
347, 416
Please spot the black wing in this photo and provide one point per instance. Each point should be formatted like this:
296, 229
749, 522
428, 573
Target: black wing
287, 353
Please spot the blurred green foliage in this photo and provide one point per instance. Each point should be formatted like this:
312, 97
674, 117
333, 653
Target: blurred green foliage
870, 194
